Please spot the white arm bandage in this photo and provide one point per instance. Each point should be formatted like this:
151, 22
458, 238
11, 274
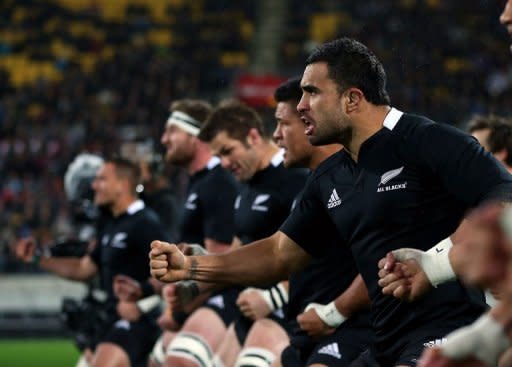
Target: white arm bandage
275, 297
194, 249
435, 262
148, 304
328, 313
485, 340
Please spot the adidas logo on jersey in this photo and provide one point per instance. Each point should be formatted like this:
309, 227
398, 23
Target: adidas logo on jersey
334, 200
217, 301
434, 343
331, 350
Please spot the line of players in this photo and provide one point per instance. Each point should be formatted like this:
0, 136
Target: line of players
376, 185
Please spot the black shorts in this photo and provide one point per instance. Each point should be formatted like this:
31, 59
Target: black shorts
407, 351
223, 303
365, 359
338, 349
243, 324
136, 338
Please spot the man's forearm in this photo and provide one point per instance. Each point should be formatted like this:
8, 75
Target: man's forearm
252, 264
69, 268
354, 299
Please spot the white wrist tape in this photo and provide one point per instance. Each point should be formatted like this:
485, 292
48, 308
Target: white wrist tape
328, 313
435, 262
485, 340
195, 249
275, 297
148, 304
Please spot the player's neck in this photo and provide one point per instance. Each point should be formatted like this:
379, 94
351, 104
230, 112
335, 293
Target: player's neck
201, 159
321, 153
268, 150
367, 123
121, 205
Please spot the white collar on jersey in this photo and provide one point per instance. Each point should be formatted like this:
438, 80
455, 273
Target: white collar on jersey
135, 207
277, 158
392, 118
213, 162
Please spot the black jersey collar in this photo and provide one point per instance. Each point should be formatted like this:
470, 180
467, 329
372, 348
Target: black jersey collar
388, 125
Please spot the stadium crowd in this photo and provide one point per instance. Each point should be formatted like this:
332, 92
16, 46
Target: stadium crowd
118, 103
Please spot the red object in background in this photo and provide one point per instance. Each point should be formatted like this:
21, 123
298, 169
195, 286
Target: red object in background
257, 90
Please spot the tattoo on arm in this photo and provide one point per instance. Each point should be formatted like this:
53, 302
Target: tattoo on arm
193, 273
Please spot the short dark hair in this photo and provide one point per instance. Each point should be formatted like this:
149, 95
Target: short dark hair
481, 122
500, 133
195, 108
127, 169
352, 64
289, 91
234, 118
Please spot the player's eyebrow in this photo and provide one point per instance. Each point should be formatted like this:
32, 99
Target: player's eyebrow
309, 88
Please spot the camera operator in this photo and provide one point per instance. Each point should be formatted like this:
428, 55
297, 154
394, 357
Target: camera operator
122, 246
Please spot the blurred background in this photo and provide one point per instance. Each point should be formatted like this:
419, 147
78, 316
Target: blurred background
99, 75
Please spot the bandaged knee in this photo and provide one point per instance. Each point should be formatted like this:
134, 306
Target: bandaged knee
192, 347
255, 357
157, 355
485, 340
435, 262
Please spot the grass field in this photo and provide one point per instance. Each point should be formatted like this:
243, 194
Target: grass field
38, 353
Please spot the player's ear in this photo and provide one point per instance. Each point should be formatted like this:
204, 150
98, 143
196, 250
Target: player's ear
253, 136
353, 96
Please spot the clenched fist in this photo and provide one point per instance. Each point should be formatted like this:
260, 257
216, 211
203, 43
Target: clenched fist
167, 263
25, 248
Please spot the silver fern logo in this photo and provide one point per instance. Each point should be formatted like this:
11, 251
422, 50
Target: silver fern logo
389, 175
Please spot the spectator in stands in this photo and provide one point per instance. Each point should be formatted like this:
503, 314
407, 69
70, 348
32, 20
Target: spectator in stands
495, 135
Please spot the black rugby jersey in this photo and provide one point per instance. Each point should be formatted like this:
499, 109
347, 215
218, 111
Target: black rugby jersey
323, 280
124, 243
208, 211
265, 200
411, 187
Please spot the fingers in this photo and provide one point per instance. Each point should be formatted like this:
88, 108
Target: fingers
389, 262
245, 307
432, 357
405, 254
25, 248
161, 247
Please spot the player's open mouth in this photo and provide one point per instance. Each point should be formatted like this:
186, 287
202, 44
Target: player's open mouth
310, 127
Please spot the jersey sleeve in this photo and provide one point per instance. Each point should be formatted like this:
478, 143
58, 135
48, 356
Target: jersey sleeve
464, 168
217, 202
306, 220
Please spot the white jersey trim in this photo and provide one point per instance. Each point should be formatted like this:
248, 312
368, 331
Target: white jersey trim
213, 162
392, 118
278, 158
136, 206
